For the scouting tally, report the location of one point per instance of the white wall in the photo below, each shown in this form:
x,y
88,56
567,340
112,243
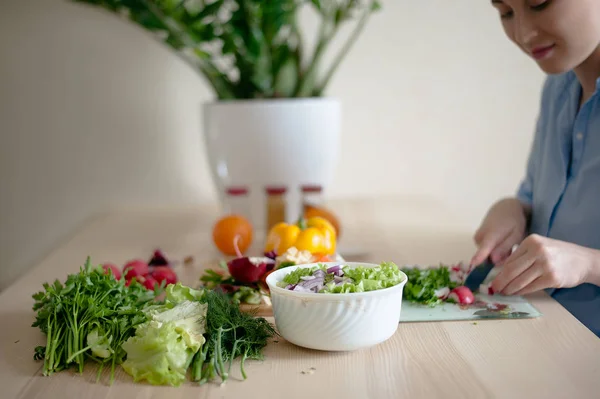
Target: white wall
x,y
437,103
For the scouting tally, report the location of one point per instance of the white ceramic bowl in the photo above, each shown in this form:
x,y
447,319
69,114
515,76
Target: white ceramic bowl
x,y
335,322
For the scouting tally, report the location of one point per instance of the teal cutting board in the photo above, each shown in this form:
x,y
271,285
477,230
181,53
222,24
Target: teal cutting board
x,y
485,307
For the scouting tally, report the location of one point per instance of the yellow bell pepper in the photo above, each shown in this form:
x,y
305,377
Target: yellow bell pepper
x,y
315,234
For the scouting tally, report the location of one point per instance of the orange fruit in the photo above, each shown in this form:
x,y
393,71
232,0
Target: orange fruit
x,y
232,230
312,211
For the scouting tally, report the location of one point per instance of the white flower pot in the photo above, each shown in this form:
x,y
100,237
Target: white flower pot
x,y
288,142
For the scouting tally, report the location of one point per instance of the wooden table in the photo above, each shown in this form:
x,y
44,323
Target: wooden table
x,y
550,357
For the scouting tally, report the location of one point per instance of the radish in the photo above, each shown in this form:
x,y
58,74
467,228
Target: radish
x,y
442,293
135,268
150,282
158,259
163,273
113,268
462,295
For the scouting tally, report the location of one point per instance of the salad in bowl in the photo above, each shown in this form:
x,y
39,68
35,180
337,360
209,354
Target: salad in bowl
x,y
335,306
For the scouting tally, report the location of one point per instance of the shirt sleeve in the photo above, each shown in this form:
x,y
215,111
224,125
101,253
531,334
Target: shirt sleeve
x,y
525,190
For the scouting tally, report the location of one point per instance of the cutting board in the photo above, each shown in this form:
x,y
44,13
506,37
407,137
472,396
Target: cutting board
x,y
484,307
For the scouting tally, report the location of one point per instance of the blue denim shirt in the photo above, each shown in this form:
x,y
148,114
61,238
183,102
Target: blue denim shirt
x,y
562,181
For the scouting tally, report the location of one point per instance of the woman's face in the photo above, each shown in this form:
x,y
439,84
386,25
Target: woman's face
x,y
558,34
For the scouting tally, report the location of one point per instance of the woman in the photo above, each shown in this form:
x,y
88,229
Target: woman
x,y
555,217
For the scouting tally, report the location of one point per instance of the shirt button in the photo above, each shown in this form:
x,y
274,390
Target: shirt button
x,y
579,136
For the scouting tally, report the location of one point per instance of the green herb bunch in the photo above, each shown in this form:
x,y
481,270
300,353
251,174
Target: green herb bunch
x,y
88,318
231,334
250,48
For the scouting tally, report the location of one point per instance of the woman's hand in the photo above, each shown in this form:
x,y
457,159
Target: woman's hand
x,y
542,262
502,228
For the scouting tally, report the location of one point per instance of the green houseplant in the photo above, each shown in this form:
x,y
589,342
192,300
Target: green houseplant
x,y
250,48
270,122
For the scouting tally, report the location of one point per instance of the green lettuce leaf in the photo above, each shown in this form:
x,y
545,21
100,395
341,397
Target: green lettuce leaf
x,y
189,319
158,354
163,347
386,275
294,276
177,293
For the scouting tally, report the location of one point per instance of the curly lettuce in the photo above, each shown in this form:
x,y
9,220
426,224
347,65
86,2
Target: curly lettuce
x,y
363,279
163,347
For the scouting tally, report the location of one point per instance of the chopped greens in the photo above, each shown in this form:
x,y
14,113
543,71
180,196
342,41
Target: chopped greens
x,y
295,276
423,283
342,279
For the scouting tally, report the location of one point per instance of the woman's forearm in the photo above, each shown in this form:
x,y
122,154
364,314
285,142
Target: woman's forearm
x,y
527,209
593,275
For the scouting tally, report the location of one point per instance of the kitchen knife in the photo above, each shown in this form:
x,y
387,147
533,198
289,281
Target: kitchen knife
x,y
478,275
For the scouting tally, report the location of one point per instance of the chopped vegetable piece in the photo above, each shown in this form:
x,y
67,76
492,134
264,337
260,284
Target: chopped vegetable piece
x,y
486,289
424,285
442,293
461,295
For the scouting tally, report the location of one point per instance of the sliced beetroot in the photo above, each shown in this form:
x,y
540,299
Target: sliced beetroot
x,y
271,255
462,295
113,268
135,268
164,273
249,270
158,259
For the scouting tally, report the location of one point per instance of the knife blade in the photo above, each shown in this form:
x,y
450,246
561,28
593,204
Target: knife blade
x,y
478,275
